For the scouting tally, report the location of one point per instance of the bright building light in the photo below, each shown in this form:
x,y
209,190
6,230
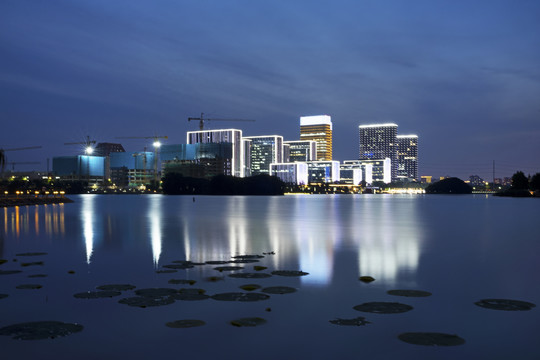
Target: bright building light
x,y
89,150
157,144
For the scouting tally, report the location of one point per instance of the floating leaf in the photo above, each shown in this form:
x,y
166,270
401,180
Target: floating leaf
x,y
97,294
289,273
32,254
244,261
505,304
250,287
182,281
366,279
71,272
259,268
146,301
217,262
246,257
116,287
165,271
3,296
40,330
269,253
359,321
240,296
250,275
29,286
156,292
215,278
38,276
178,324
190,294
278,290
251,321
228,268
383,307
178,266
41,263
3,261
409,293
431,339
9,272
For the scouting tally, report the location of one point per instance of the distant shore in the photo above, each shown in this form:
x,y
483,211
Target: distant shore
x,y
32,200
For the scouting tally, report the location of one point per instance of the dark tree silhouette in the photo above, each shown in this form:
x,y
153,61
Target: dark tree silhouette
x,y
520,181
535,182
449,186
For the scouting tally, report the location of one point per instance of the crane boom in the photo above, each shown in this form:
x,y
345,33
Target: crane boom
x,y
202,119
24,148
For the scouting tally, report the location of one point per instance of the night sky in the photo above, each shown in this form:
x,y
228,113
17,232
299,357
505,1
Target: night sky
x,y
463,75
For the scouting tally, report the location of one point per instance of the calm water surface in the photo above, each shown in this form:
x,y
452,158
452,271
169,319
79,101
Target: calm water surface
x,y
460,248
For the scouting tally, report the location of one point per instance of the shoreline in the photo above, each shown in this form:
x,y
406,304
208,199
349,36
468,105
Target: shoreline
x,y
24,201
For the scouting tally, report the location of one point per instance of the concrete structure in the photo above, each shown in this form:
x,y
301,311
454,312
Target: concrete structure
x,y
350,176
374,170
323,171
302,150
201,160
230,136
319,129
378,142
407,157
131,169
265,150
291,173
286,153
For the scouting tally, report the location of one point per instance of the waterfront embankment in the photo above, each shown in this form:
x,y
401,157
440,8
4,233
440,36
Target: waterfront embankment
x,y
23,200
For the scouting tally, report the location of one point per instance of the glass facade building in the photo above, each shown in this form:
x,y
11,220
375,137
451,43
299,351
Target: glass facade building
x,y
373,170
291,173
302,150
265,150
323,171
319,129
407,157
378,142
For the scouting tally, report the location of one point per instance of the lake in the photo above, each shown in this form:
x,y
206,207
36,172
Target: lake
x,y
461,249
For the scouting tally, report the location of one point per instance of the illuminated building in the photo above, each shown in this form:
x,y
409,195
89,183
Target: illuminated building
x,y
80,167
131,168
323,171
286,153
265,150
426,179
378,142
201,160
319,129
407,157
379,169
231,136
290,173
350,175
302,150
246,159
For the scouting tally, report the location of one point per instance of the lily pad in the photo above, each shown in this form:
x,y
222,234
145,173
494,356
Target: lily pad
x,y
156,292
278,290
250,287
240,296
97,294
190,294
217,262
250,321
29,286
3,296
359,321
244,261
431,339
182,281
505,304
215,278
3,261
228,268
179,266
40,330
259,268
116,287
383,307
366,279
409,293
289,273
31,254
246,257
35,263
38,276
145,301
165,271
179,324
250,275
9,272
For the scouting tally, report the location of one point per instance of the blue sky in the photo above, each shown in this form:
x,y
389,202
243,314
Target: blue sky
x,y
463,75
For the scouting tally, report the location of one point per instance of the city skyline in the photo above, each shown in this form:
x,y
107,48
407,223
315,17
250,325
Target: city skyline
x,y
453,73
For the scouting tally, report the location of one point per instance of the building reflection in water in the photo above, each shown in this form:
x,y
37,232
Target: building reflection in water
x,y
88,223
29,220
155,222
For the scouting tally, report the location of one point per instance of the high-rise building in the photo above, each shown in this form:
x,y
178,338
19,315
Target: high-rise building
x,y
302,150
407,157
265,150
232,136
319,129
378,142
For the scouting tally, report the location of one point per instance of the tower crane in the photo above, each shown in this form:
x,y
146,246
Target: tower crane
x,y
3,157
156,144
13,163
202,119
88,145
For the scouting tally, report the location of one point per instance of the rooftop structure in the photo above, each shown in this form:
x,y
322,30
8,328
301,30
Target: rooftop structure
x,y
319,129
